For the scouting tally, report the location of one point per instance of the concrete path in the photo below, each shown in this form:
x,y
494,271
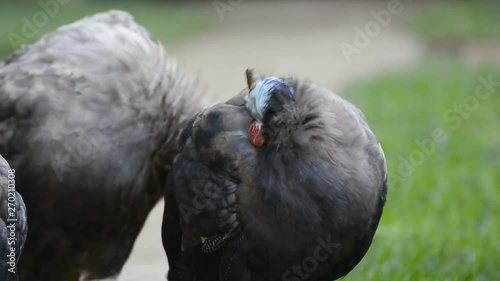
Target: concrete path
x,y
280,38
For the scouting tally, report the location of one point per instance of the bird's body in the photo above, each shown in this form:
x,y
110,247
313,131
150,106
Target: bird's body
x,y
13,223
308,201
90,117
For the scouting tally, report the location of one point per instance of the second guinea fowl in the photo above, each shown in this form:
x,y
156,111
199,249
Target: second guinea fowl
x,y
301,203
90,117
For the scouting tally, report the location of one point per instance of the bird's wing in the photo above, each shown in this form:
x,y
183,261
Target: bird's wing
x,y
207,174
207,204
200,205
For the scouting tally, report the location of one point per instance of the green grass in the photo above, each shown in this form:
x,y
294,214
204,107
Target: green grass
x,y
441,222
458,20
167,22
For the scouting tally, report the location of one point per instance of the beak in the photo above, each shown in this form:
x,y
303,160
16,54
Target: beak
x,y
250,79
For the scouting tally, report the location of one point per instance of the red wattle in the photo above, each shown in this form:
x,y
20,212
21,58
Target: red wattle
x,y
256,136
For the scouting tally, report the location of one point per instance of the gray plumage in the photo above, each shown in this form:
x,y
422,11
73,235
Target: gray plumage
x,y
13,223
319,180
90,116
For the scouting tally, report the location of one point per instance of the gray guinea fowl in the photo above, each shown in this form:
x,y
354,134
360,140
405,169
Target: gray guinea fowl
x,y
286,181
90,117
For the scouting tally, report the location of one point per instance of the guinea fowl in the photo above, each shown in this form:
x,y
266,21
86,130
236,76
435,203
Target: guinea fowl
x,y
90,118
13,223
286,181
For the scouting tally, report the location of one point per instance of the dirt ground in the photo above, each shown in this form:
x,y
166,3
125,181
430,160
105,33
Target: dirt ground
x,y
280,38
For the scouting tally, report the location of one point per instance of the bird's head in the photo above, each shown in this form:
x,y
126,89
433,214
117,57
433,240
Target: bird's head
x,y
266,98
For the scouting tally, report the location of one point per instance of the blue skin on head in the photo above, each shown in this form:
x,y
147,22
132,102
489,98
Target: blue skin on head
x,y
257,100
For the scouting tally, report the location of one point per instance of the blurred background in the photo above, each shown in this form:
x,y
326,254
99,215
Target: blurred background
x,y
425,73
